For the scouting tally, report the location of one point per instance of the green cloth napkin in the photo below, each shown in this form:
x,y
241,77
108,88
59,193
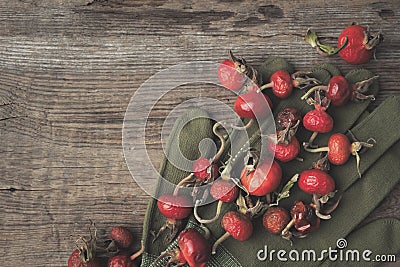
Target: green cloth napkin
x,y
380,173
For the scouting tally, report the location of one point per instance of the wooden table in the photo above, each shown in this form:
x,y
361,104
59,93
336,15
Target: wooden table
x,y
69,69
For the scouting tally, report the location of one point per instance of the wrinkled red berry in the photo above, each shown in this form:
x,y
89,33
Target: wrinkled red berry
x,y
263,180
225,191
237,225
275,219
316,182
229,77
339,90
122,236
174,207
203,169
75,260
194,247
283,152
282,83
317,120
360,47
253,105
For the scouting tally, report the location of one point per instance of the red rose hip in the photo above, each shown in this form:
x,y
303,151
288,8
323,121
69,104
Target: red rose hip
x,y
281,84
275,219
237,225
360,46
316,182
263,180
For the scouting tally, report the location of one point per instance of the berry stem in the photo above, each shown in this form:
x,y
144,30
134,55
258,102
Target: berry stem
x,y
325,50
315,88
285,231
317,207
205,221
182,182
316,150
302,80
310,141
138,253
223,143
266,86
219,241
247,126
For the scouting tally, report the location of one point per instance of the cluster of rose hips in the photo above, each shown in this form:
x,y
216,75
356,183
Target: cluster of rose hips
x,y
254,192
115,250
261,177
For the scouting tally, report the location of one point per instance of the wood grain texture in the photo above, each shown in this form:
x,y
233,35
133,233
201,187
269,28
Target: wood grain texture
x,y
69,68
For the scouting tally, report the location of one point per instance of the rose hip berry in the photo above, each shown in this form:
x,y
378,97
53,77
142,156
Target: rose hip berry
x,y
275,219
193,249
355,44
285,152
281,84
264,179
120,260
360,46
339,149
316,181
235,73
317,121
121,236
175,209
305,219
252,105
288,117
222,190
85,255
338,91
204,169
78,258
237,225
229,76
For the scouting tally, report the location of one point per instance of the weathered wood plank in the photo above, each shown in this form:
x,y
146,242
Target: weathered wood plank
x,y
69,68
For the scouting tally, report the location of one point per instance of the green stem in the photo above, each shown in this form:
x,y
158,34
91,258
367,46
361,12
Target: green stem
x,y
315,88
326,50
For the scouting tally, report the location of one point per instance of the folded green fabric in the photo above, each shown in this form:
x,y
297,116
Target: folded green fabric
x,y
185,137
367,191
381,237
357,202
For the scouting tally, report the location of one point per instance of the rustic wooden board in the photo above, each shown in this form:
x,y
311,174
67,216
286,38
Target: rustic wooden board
x,y
69,68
